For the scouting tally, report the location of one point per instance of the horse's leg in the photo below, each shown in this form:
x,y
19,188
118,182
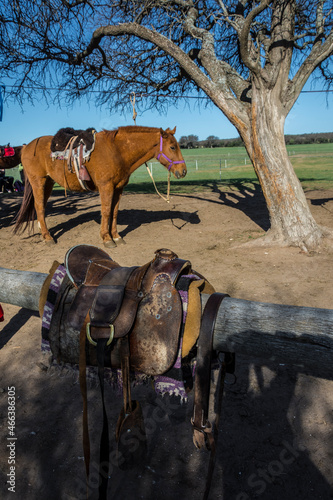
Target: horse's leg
x,y
42,191
115,207
106,194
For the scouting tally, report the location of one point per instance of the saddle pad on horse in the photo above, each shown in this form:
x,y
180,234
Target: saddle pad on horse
x,y
6,152
76,146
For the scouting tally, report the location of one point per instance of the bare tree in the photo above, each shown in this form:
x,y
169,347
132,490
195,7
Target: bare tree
x,y
251,58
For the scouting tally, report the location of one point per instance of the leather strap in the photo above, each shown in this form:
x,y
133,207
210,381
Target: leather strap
x,y
219,397
204,433
125,372
132,297
83,387
104,442
108,300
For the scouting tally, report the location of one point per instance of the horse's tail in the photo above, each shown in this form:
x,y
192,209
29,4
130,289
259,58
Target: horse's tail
x,y
27,212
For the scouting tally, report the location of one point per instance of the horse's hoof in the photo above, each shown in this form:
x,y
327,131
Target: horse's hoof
x,y
49,242
119,241
109,244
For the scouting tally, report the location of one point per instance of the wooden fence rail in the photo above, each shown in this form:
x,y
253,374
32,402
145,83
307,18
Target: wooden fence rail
x,y
299,336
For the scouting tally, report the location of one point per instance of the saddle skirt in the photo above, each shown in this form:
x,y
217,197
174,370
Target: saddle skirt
x,y
113,302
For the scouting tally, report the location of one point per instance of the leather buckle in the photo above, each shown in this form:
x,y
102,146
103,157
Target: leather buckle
x,y
95,343
203,427
202,436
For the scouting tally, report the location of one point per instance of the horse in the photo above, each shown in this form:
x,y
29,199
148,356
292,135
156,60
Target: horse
x,y
116,155
11,161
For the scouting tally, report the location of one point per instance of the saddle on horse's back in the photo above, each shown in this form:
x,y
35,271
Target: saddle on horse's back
x,y
62,138
129,318
76,146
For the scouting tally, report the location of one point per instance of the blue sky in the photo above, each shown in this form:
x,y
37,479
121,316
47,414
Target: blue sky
x,y
313,112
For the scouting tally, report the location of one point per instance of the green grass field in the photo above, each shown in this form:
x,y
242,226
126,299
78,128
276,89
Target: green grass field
x,y
313,164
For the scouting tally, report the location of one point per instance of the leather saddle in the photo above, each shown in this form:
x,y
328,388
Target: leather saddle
x,y
61,139
130,318
141,302
77,145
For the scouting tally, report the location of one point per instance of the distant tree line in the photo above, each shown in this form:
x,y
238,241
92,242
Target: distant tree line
x,y
192,141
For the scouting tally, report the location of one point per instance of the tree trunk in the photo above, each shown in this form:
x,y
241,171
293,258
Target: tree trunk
x,y
292,223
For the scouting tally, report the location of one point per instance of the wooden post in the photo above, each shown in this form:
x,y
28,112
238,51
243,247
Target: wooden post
x,y
301,336
21,288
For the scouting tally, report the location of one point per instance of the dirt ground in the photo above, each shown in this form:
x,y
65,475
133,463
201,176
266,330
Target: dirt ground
x,y
276,427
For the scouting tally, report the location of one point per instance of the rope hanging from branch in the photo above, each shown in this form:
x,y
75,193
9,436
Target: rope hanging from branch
x,y
135,114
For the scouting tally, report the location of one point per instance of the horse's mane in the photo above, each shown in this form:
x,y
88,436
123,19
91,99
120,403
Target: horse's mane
x,y
128,129
138,128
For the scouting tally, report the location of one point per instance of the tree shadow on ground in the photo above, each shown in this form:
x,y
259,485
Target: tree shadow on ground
x,y
321,202
72,206
9,206
259,454
244,196
15,323
58,205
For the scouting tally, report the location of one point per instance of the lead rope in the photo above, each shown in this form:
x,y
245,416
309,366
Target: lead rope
x,y
167,199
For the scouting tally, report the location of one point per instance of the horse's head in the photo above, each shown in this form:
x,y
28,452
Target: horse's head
x,y
169,153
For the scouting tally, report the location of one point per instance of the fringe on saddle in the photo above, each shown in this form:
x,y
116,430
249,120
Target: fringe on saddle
x,y
75,146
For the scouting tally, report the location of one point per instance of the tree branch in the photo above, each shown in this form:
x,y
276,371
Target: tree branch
x,y
318,54
244,42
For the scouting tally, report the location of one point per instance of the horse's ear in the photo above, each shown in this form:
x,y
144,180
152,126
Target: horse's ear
x,y
164,133
168,131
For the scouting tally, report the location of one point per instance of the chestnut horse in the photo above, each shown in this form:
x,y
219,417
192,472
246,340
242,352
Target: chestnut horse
x,y
11,161
116,155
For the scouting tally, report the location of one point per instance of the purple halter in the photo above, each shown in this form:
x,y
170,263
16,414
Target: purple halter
x,y
171,162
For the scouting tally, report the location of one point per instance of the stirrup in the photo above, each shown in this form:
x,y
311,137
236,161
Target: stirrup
x,y
95,343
